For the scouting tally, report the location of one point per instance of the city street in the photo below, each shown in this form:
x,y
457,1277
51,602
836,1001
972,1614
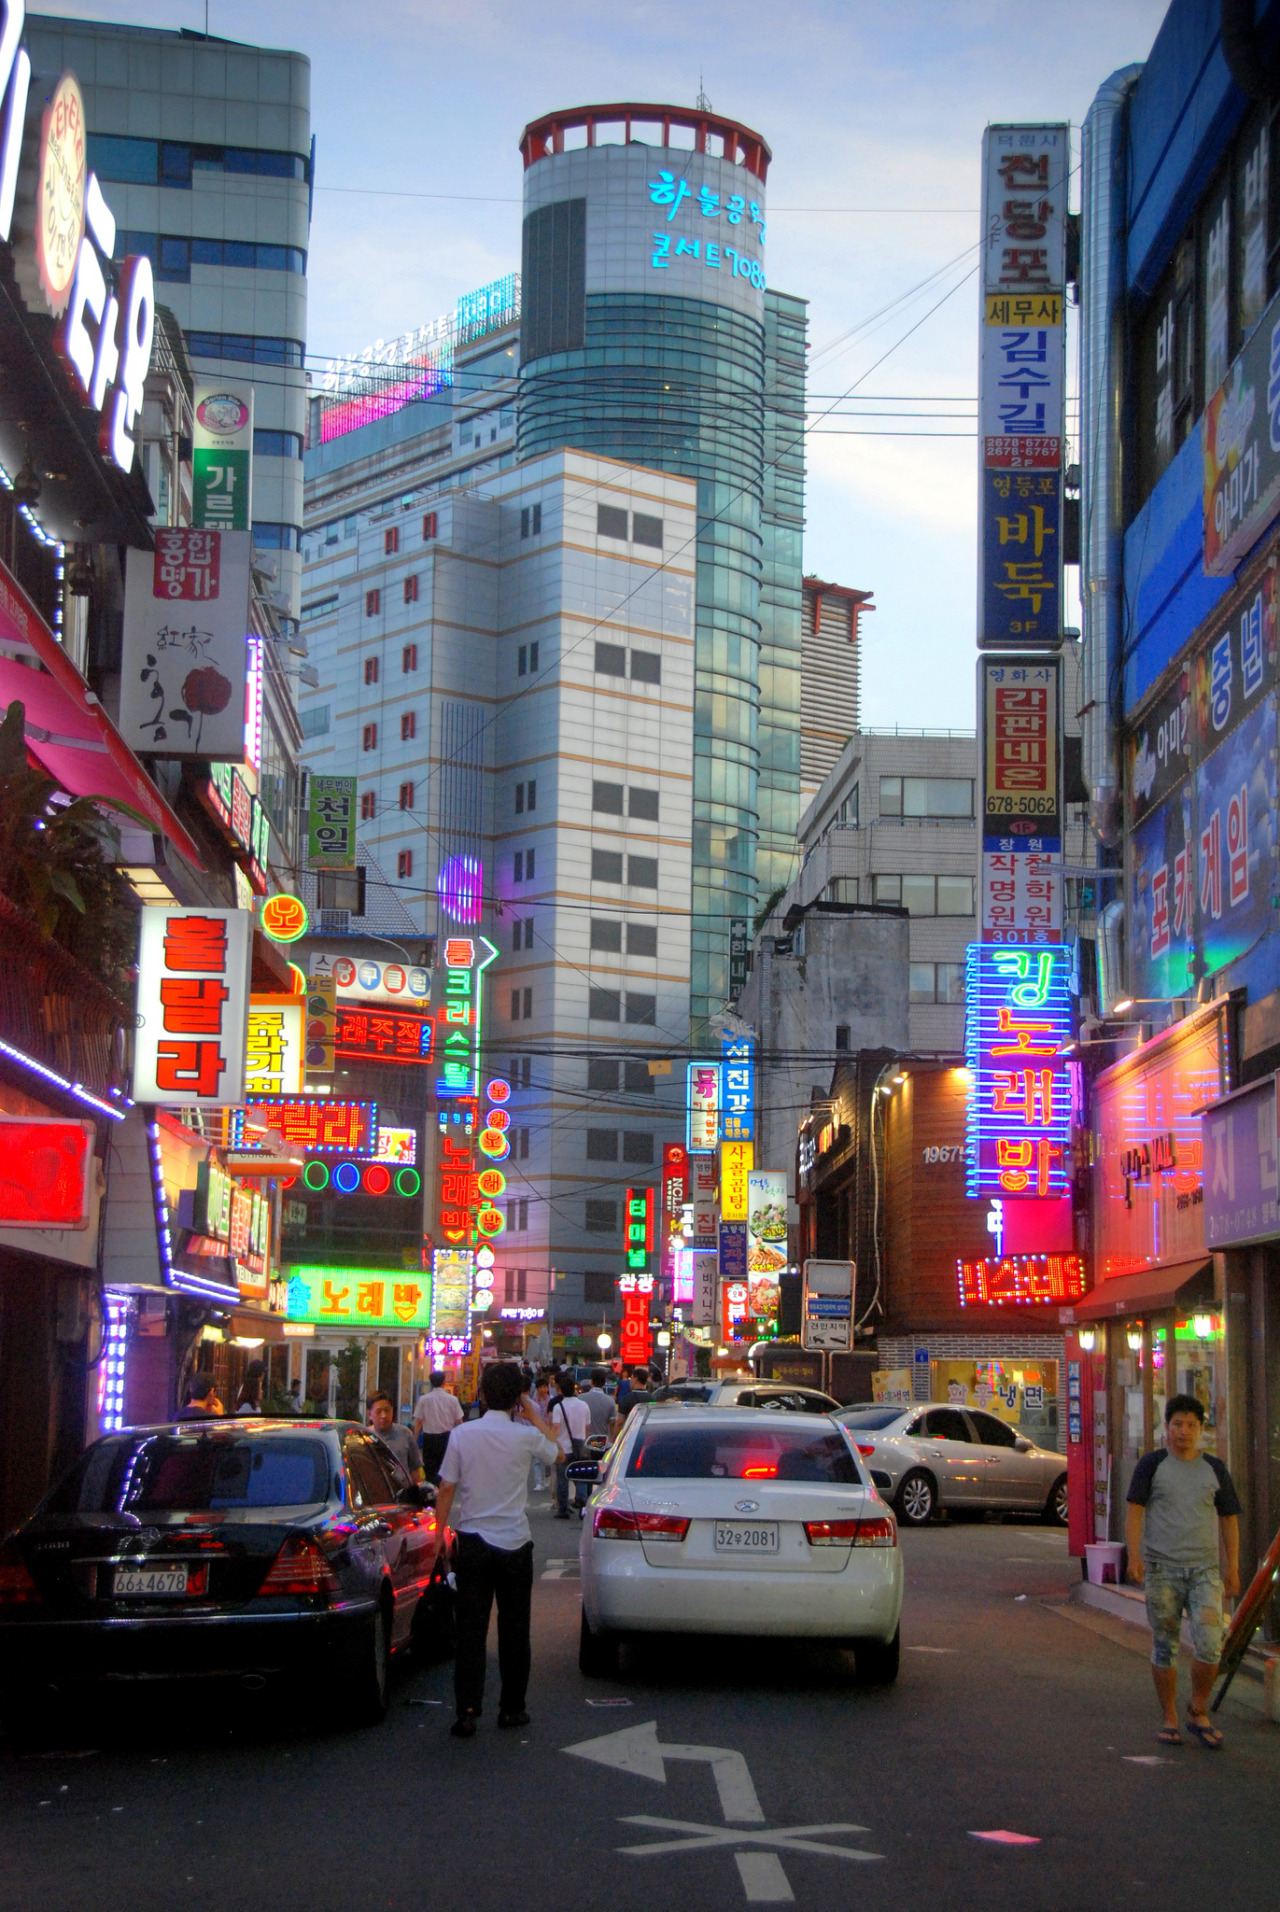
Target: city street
x,y
1008,1717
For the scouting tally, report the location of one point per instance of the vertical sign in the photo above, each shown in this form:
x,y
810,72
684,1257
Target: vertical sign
x,y
273,1046
459,1021
635,1340
184,684
736,1163
1021,385
322,1023
738,1088
639,1230
1017,1017
222,456
766,1222
193,1007
331,823
705,1177
675,1196
1019,706
703,1108
739,959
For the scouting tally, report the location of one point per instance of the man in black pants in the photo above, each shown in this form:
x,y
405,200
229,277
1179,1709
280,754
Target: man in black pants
x,y
484,1485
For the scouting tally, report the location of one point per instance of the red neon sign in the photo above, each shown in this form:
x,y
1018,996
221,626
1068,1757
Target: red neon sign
x,y
44,1173
1022,1281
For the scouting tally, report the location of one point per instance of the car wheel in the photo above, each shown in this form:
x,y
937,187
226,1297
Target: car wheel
x,y
1055,1508
434,1633
877,1660
597,1652
917,1498
368,1688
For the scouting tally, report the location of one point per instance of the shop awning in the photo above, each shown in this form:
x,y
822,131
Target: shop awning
x,y
67,728
1183,1283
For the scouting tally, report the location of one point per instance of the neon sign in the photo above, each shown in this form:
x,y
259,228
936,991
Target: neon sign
x,y
703,1106
1017,1018
639,1229
1022,1281
320,1125
737,1114
383,1035
460,887
466,1212
358,1297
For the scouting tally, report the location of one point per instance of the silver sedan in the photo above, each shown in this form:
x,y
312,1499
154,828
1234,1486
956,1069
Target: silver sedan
x,y
929,1456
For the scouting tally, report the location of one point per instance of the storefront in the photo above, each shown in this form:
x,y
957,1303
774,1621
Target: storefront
x,y
1158,1321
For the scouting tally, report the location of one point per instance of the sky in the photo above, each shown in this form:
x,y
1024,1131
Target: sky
x,y
874,114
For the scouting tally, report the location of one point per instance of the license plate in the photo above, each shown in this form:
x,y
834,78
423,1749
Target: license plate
x,y
149,1583
745,1536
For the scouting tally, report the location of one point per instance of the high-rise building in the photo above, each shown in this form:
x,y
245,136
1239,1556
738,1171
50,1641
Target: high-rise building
x,y
204,148
649,335
830,678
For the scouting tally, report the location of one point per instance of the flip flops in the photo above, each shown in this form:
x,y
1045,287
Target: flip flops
x,y
1209,1736
1169,1736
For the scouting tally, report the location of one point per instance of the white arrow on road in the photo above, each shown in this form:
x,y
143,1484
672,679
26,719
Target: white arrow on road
x,y
637,1750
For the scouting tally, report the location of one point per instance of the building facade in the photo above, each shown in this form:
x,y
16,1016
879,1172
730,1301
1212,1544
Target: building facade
x,y
830,679
204,147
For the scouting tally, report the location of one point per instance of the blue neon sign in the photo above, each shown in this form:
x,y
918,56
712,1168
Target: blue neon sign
x,y
1017,1018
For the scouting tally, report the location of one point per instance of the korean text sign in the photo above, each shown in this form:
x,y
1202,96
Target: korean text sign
x,y
1017,1017
738,1088
359,1298
639,1230
222,456
1241,439
1018,700
703,1108
319,1125
331,823
273,1046
184,688
193,1007
736,1162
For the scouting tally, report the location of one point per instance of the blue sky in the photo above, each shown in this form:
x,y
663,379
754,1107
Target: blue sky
x,y
874,114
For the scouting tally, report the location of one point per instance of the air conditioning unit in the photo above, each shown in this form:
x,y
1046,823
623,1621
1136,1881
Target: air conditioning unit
x,y
336,922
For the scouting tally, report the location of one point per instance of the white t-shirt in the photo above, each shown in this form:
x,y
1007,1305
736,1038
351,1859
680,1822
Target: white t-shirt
x,y
571,1419
437,1412
488,1460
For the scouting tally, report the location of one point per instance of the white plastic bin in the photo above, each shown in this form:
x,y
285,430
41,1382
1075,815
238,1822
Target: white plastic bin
x,y
1102,1562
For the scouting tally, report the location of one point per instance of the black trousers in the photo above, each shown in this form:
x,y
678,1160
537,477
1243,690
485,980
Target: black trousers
x,y
483,1573
433,1446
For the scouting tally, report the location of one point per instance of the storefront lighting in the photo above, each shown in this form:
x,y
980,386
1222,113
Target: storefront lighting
x,y
1119,1008
898,1079
1087,1338
247,1340
71,1088
115,1329
1134,1338
664,1338
1203,1325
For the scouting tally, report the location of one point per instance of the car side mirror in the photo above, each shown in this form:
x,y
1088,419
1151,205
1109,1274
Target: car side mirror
x,y
583,1470
1023,1445
417,1494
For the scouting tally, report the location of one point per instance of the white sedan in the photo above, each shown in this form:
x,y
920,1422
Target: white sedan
x,y
743,1521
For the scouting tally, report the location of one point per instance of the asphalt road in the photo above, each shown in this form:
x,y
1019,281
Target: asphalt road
x,y
1008,1716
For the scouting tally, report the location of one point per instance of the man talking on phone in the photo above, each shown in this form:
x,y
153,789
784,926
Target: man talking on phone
x,y
483,1495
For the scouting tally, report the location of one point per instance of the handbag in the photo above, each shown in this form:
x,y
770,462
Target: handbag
x,y
575,1446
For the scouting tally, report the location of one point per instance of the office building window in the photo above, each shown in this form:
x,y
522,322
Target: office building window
x,y
927,895
637,1147
636,1079
604,1005
404,864
842,889
370,670
642,872
391,540
409,659
272,444
368,806
523,865
527,660
602,1074
602,1145
314,719
646,667
526,1000
519,799
372,603
606,934
598,1289
245,348
642,939
406,796
646,530
601,1218
611,660
517,1223
519,1144
369,737
643,804
606,866
611,522
520,1073
514,1282
151,162
842,1036
429,524
641,1008
530,521
411,588
553,264
408,726
925,797
607,797
937,982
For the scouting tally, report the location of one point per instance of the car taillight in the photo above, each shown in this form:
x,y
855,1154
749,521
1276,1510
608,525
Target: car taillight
x,y
300,1567
613,1523
17,1588
851,1533
865,1448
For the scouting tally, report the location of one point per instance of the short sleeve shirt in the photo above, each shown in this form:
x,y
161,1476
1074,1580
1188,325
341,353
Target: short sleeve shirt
x,y
1184,1500
488,1462
402,1444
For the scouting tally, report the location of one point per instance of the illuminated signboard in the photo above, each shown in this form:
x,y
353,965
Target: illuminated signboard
x,y
284,918
383,1035
318,1125
228,798
737,1064
404,985
1022,1281
635,1343
360,1178
703,1108
639,1230
466,1212
322,1024
737,1159
193,1003
45,1168
1017,1017
460,1015
273,1046
452,1271
331,823
398,1145
358,1297
675,1195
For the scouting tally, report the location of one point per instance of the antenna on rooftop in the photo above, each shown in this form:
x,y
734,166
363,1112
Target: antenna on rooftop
x,y
703,103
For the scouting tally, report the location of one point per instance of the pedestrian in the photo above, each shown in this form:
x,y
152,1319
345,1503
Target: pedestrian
x,y
249,1399
395,1435
641,1390
434,1418
1183,1516
293,1398
483,1495
623,1391
202,1403
599,1404
570,1422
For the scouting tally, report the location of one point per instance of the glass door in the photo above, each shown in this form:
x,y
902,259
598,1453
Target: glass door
x,y
1129,1413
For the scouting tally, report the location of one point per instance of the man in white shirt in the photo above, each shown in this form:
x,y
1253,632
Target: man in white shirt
x,y
434,1418
570,1423
483,1495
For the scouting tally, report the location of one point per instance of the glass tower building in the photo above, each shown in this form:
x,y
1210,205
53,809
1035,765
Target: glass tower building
x,y
649,336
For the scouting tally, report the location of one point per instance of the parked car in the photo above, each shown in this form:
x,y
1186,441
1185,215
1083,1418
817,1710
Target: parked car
x,y
742,1521
242,1550
926,1457
747,1393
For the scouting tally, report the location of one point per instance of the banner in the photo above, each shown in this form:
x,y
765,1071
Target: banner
x,y
331,823
184,682
766,1222
738,1088
703,1108
736,1162
222,456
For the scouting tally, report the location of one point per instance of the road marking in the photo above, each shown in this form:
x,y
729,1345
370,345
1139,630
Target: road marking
x,y
1006,1838
933,1649
561,1570
637,1750
1145,1759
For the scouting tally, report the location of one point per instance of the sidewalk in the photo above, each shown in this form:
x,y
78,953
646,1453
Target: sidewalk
x,y
1127,1605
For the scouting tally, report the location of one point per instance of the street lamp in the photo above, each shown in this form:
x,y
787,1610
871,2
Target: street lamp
x,y
604,1342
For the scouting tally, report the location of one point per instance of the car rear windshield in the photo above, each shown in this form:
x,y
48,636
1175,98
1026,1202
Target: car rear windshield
x,y
872,1417
692,1395
194,1473
747,1453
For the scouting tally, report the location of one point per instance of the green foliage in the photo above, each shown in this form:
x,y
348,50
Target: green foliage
x,y
767,908
57,863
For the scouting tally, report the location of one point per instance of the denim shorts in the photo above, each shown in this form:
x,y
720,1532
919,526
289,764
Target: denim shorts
x,y
1173,1591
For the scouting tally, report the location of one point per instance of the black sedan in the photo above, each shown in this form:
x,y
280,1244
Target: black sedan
x,y
245,1551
